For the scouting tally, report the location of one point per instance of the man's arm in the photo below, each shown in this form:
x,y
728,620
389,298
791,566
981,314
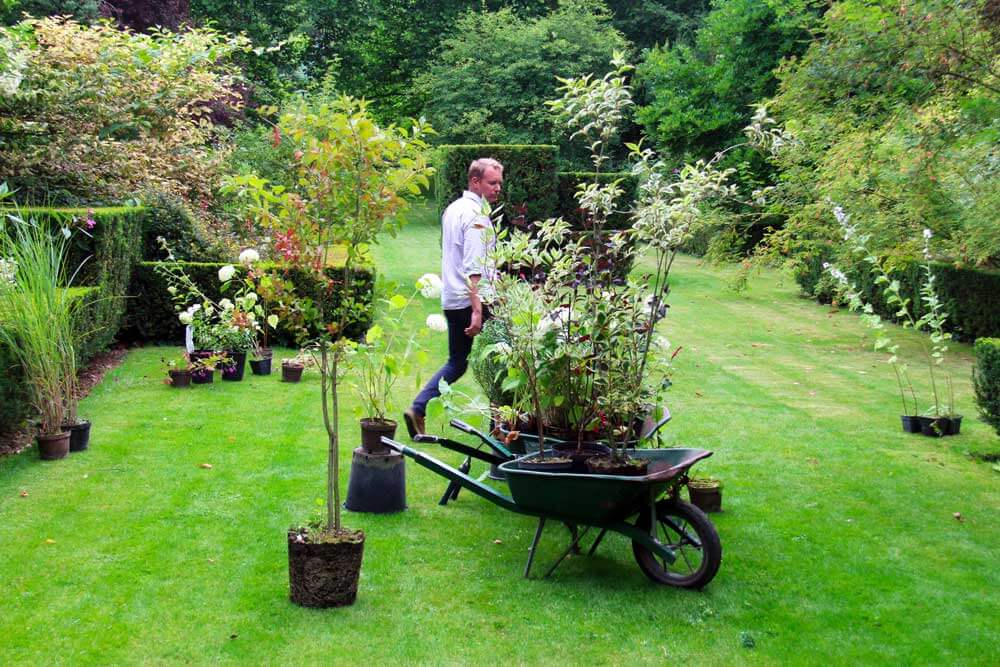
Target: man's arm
x,y
476,325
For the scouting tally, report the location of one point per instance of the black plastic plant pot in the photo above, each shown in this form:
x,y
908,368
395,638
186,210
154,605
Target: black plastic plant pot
x,y
79,436
935,427
180,378
261,366
955,425
911,423
234,367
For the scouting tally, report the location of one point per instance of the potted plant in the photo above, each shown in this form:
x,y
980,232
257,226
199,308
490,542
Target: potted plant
x,y
350,178
940,419
179,370
705,493
386,354
37,326
293,367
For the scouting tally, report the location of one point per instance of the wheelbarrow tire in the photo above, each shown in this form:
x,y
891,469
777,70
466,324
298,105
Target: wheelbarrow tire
x,y
696,564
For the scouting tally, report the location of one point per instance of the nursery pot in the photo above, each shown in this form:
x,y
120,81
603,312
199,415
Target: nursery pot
x,y
79,436
52,447
935,427
202,375
324,574
236,365
372,431
955,425
548,464
291,372
706,495
180,379
911,423
261,366
587,450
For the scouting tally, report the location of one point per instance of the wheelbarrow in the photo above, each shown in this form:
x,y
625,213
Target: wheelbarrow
x,y
673,542
501,452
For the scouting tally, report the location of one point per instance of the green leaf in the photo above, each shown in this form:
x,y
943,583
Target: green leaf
x,y
397,302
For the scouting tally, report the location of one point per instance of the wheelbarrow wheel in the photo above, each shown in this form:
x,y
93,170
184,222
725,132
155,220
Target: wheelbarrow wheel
x,y
685,529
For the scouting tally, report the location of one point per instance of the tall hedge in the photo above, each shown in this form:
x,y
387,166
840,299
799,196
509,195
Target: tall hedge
x,y
152,317
569,207
969,295
529,174
986,380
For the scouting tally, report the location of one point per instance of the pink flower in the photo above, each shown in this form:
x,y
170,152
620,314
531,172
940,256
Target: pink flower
x,y
91,223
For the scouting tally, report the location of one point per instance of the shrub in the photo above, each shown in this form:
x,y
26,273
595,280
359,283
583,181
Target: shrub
x,y
529,173
986,380
93,113
170,217
152,316
569,208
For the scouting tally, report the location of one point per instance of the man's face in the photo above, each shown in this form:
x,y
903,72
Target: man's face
x,y
489,185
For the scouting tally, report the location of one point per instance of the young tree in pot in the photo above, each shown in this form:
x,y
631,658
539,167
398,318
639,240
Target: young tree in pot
x,y
36,323
351,180
388,352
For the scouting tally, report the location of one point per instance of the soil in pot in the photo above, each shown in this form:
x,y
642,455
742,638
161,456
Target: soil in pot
x,y
548,464
79,435
911,423
706,494
234,367
606,465
180,379
372,431
53,447
261,366
580,455
324,573
291,372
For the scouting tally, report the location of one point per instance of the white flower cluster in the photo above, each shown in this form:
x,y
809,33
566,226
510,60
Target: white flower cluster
x,y
437,322
249,256
187,316
227,272
8,270
835,272
430,285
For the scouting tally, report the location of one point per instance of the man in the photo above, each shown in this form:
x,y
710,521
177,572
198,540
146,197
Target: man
x,y
467,235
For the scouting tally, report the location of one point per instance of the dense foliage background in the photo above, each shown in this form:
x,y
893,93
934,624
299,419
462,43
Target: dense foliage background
x,y
891,107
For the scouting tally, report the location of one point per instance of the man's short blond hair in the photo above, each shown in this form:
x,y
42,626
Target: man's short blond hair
x,y
479,167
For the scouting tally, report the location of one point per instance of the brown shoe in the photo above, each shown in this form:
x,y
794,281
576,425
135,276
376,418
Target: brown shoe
x,y
414,423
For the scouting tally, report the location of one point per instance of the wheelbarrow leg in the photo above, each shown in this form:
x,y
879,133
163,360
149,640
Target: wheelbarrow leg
x,y
451,493
572,547
534,545
597,542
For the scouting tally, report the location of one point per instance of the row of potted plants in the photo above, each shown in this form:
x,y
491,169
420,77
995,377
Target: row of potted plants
x,y
199,367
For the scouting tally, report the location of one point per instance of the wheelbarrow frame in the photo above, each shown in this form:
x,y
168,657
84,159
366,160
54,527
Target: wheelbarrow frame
x,y
550,495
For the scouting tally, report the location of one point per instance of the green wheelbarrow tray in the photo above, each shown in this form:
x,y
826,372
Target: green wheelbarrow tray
x,y
663,529
598,499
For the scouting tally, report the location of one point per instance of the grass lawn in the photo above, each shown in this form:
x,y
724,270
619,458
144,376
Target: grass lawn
x,y
839,535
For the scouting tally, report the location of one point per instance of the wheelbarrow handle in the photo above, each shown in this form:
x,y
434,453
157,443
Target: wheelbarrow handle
x,y
664,418
498,448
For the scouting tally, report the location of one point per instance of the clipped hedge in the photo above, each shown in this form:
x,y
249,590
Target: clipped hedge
x,y
986,380
529,174
569,207
969,295
152,317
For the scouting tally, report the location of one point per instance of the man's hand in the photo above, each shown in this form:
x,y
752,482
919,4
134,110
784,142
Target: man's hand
x,y
475,326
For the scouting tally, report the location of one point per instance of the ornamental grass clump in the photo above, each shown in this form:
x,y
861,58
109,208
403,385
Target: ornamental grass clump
x,y
36,318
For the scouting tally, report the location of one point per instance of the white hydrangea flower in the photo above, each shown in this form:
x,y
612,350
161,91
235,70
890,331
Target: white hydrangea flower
x,y
430,285
249,256
186,317
227,272
226,304
437,322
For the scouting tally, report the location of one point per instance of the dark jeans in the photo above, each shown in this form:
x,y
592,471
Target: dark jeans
x,y
459,346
